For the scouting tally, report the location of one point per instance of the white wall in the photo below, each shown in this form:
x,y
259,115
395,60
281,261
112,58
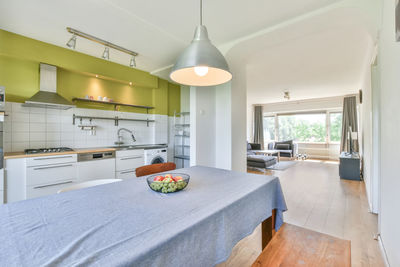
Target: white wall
x,y
27,127
389,55
202,130
223,149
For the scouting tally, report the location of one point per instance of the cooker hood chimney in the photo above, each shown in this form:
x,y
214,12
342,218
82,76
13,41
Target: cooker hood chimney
x,y
47,96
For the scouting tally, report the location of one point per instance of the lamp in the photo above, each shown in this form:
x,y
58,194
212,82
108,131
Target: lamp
x,y
201,63
106,53
132,63
72,42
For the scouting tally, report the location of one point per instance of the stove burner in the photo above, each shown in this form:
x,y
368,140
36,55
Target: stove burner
x,y
48,150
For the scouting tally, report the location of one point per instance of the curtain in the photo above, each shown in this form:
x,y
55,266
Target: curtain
x,y
349,119
258,126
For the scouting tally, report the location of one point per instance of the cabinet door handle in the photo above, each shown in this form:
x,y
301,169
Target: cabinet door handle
x,y
53,158
52,167
136,157
43,186
124,172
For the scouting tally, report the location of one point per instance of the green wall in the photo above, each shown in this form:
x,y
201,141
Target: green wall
x,y
19,73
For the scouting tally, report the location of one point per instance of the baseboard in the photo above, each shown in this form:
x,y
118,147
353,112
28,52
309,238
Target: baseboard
x,y
383,251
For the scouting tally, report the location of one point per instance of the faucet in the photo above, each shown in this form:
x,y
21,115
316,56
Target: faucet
x,y
119,142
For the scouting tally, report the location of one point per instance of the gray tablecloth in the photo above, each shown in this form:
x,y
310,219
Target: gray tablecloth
x,y
127,224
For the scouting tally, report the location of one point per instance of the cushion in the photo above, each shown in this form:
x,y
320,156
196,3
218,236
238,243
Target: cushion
x,y
282,146
260,161
285,151
248,146
260,158
290,142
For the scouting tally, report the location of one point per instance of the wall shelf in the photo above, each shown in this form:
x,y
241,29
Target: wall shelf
x,y
115,104
115,119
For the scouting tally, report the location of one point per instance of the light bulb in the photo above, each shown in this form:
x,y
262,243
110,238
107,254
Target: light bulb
x,y
201,71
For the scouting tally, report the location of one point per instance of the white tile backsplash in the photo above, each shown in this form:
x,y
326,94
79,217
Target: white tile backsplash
x,y
40,127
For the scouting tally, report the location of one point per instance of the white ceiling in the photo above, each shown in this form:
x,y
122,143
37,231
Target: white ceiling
x,y
157,30
323,56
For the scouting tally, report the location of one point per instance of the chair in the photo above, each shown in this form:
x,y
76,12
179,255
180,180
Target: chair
x,y
88,184
155,168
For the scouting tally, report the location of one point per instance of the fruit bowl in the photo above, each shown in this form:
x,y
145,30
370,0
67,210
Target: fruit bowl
x,y
168,183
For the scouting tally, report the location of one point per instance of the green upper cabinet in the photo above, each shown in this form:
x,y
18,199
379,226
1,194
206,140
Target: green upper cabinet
x,y
19,73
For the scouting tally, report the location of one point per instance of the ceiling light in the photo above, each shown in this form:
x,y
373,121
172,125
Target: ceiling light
x,y
286,95
132,63
130,83
201,63
106,53
72,42
97,76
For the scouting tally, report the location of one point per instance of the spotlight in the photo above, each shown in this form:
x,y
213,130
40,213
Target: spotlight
x,y
106,53
132,63
72,42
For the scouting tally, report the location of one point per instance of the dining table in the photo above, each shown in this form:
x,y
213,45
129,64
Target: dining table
x,y
127,224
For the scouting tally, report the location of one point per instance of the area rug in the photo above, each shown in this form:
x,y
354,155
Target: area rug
x,y
282,165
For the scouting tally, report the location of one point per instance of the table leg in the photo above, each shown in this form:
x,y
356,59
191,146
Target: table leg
x,y
279,156
268,229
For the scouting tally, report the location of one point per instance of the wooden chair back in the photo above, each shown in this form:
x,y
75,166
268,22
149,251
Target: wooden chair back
x,y
155,168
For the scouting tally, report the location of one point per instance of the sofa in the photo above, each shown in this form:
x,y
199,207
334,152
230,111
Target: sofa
x,y
286,148
258,161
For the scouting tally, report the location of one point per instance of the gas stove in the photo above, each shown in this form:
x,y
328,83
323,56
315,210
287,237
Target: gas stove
x,y
48,150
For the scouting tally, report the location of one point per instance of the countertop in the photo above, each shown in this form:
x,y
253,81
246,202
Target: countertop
x,y
16,155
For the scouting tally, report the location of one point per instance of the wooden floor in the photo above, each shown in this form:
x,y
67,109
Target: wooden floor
x,y
318,200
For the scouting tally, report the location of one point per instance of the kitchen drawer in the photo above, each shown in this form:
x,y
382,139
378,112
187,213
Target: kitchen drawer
x,y
127,153
129,162
127,174
40,175
47,189
96,169
47,160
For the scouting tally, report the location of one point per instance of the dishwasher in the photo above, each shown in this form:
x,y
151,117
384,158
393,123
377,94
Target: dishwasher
x,y
96,165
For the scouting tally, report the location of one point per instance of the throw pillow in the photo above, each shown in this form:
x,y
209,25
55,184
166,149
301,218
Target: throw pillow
x,y
248,146
283,146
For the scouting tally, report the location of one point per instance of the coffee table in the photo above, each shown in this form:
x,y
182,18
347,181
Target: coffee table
x,y
269,152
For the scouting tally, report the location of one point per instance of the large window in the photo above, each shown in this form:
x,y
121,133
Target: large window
x,y
335,120
304,127
269,128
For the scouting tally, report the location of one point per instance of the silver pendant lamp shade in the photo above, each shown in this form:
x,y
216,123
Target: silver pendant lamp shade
x,y
201,63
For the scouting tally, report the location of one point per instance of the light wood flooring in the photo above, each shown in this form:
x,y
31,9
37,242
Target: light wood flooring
x,y
318,200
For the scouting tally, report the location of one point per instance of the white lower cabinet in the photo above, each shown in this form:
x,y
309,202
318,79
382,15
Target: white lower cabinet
x,y
39,176
96,169
47,189
127,161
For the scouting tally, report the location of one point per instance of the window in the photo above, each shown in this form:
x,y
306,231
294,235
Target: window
x,y
335,121
302,127
269,129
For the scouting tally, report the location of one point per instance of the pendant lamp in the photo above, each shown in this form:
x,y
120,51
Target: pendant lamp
x,y
201,63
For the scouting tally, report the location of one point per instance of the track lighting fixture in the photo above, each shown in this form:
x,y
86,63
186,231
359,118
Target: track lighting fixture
x,y
106,53
72,42
132,63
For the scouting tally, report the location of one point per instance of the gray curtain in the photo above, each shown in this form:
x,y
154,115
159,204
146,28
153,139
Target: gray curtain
x,y
258,126
349,119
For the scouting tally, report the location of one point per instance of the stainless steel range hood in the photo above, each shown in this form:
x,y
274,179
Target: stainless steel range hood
x,y
47,96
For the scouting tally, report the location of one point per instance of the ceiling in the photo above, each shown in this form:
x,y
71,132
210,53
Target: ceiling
x,y
157,30
323,56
